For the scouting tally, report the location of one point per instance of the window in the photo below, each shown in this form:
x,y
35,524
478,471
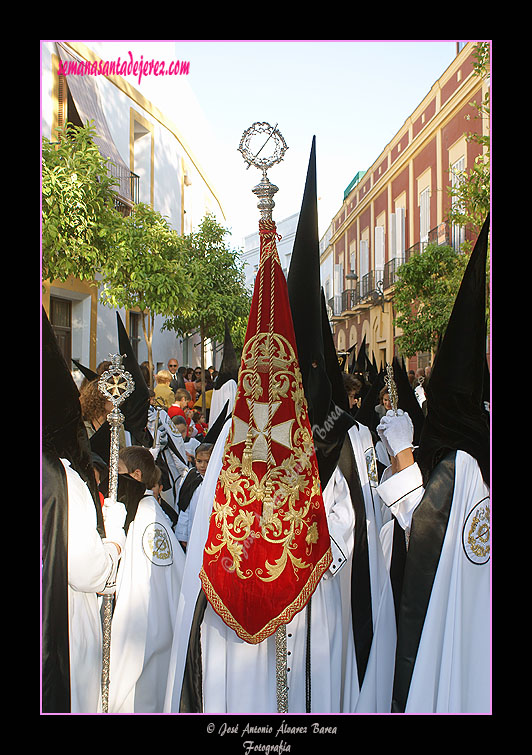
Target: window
x,y
457,177
142,152
61,322
424,215
338,279
364,267
398,242
379,253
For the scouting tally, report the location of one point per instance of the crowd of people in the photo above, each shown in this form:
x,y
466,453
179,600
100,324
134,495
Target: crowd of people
x,y
397,619
168,477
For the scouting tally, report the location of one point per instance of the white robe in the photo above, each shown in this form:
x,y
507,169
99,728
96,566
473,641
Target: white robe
x,y
148,587
219,399
191,584
186,518
231,667
375,696
177,469
452,668
90,564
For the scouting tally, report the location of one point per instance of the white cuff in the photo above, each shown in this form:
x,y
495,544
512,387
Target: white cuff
x,y
112,551
339,558
402,492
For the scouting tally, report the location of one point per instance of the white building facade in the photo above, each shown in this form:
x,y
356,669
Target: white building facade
x,y
82,82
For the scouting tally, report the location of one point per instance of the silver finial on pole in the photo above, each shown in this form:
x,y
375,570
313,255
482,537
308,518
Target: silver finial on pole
x,y
116,384
251,146
392,388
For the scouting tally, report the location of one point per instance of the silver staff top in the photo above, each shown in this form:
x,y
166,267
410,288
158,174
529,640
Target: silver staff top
x,y
116,384
392,388
252,147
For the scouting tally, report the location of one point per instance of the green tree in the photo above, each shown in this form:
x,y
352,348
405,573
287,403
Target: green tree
x,y
471,193
80,226
424,296
219,293
152,272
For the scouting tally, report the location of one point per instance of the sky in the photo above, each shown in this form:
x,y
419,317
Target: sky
x,y
353,95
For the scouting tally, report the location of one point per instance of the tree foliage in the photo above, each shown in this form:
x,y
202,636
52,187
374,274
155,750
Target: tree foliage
x,y
471,193
424,296
151,273
217,281
80,226
195,282
219,293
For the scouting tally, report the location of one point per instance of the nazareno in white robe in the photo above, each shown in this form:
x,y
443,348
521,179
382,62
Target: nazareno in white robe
x,y
231,668
142,630
239,677
91,565
178,468
219,398
375,695
452,668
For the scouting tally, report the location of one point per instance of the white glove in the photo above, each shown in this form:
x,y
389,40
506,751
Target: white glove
x,y
380,431
162,437
396,431
114,517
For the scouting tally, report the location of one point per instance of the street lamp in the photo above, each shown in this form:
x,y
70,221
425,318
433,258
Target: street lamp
x,y
377,295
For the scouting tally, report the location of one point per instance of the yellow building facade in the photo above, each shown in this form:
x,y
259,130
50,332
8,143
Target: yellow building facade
x,y
397,206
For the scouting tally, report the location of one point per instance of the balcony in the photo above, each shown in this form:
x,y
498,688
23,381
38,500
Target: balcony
x,y
127,189
334,306
372,285
362,291
390,272
442,234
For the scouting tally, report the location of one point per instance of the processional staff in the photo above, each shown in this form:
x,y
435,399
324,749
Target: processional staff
x,y
392,388
116,384
265,190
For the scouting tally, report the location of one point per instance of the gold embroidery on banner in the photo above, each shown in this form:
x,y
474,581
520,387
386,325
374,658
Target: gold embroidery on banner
x,y
278,490
284,617
312,534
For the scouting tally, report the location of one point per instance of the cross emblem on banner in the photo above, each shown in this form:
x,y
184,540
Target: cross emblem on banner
x,y
280,433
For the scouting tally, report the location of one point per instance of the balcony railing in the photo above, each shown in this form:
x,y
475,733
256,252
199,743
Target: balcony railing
x,y
376,282
390,272
335,306
442,234
127,188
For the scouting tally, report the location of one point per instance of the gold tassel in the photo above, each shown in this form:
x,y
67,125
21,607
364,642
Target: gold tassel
x,y
247,455
267,506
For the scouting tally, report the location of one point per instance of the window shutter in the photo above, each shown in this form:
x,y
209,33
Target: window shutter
x,y
364,258
62,97
400,240
424,215
379,252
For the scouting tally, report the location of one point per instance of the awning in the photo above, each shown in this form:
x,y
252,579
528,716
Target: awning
x,y
86,95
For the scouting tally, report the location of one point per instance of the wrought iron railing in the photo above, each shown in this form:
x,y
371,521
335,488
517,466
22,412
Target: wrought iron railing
x,y
127,188
380,280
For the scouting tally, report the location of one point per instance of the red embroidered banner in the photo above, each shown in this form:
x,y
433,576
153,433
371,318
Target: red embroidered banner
x,y
268,543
